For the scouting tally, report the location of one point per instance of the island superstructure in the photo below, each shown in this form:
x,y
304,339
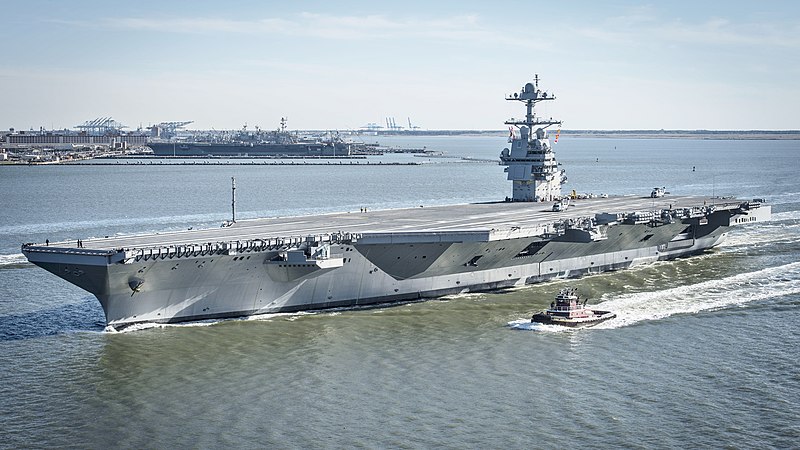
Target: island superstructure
x,y
339,260
532,165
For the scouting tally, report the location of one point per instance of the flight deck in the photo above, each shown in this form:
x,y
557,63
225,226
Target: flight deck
x,y
478,217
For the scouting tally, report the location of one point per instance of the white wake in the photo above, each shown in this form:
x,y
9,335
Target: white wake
x,y
733,291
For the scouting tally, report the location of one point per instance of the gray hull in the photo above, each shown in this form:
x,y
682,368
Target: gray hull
x,y
179,149
185,282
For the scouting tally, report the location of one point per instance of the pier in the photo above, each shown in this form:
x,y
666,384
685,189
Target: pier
x,y
237,163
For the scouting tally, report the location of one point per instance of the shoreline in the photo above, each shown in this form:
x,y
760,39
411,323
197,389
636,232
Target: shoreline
x,y
619,134
718,136
7,152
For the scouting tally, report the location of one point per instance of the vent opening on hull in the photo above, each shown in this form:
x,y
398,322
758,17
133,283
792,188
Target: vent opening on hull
x,y
473,262
531,249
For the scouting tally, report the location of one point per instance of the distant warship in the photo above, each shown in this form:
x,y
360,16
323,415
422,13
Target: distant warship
x,y
258,143
317,262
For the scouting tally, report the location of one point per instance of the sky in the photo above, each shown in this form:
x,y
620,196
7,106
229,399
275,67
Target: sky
x,y
613,65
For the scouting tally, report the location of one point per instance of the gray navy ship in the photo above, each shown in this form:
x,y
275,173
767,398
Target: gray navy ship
x,y
253,143
326,261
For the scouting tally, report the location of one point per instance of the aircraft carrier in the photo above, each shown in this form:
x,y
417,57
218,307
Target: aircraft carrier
x,y
258,143
351,259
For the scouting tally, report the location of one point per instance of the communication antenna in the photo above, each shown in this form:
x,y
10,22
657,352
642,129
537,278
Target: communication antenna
x,y
233,200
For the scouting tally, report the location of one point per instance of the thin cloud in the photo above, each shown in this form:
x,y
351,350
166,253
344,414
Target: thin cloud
x,y
201,25
337,27
637,29
720,31
462,28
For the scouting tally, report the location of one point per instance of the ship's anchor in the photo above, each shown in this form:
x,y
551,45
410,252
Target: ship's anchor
x,y
135,284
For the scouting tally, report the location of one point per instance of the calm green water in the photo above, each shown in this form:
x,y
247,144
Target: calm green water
x,y
703,353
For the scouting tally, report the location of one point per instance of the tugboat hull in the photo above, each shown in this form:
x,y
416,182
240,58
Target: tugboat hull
x,y
576,322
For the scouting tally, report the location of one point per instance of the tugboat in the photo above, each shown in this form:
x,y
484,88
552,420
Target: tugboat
x,y
568,311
